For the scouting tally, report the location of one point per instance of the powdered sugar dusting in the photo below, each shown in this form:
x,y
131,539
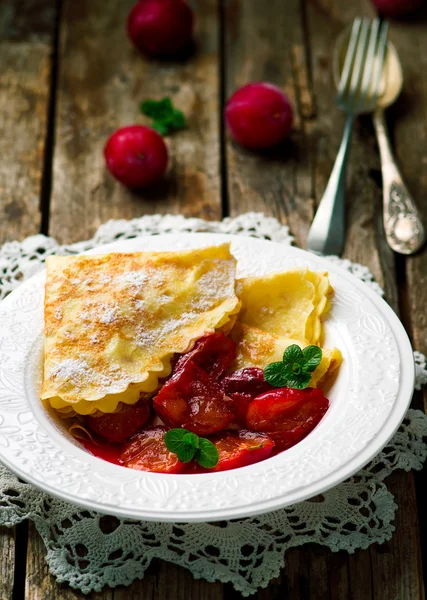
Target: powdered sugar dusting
x,y
133,278
79,374
102,313
108,314
70,369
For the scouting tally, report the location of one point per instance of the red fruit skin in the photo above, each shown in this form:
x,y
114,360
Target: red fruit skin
x,y
287,414
160,27
241,448
213,353
242,387
396,8
248,381
147,451
193,400
136,156
120,426
259,115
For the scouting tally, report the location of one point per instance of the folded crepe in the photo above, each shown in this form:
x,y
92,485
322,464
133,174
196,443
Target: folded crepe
x,y
279,310
289,304
113,322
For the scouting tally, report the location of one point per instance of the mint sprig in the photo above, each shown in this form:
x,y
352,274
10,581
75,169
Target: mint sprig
x,y
188,446
296,368
166,117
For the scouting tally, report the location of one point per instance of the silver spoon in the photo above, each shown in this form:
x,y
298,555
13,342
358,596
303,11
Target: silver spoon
x,y
402,222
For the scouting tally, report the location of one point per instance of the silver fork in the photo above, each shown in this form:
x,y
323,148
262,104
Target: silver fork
x,y
357,93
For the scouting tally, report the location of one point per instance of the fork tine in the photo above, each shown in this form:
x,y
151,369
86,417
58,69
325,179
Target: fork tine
x,y
348,62
379,64
359,62
369,62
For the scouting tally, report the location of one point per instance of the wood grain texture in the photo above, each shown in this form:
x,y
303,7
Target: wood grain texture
x,y
287,182
26,32
166,581
7,557
101,82
407,122
266,43
25,54
394,568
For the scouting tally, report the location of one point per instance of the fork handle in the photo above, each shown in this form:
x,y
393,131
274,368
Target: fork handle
x,y
402,222
326,233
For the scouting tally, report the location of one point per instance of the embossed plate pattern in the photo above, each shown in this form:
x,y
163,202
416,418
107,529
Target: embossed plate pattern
x,y
368,401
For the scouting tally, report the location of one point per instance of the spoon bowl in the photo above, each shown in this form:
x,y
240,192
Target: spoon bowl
x,y
392,76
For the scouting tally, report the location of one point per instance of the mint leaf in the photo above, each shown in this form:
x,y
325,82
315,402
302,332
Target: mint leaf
x,y
186,453
274,374
181,442
157,109
312,357
187,445
174,439
299,382
165,116
177,120
292,354
160,128
191,439
207,455
296,368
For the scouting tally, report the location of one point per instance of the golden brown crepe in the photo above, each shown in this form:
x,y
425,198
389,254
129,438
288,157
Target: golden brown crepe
x,y
113,322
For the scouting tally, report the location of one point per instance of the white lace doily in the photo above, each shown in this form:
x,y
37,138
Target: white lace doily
x,y
90,551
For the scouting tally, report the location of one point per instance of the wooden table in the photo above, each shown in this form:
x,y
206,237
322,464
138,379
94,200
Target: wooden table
x,y
69,78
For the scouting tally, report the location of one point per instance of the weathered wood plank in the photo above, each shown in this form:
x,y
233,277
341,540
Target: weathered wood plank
x,y
164,581
286,182
26,32
25,54
266,43
395,568
7,557
101,82
409,131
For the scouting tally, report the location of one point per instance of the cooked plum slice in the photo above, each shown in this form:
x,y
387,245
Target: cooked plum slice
x,y
120,426
213,353
287,414
147,451
193,400
241,448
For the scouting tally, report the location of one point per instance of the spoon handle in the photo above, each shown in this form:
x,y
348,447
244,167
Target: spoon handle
x,y
402,222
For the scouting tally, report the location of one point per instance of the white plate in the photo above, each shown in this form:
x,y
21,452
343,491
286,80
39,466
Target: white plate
x,y
368,401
